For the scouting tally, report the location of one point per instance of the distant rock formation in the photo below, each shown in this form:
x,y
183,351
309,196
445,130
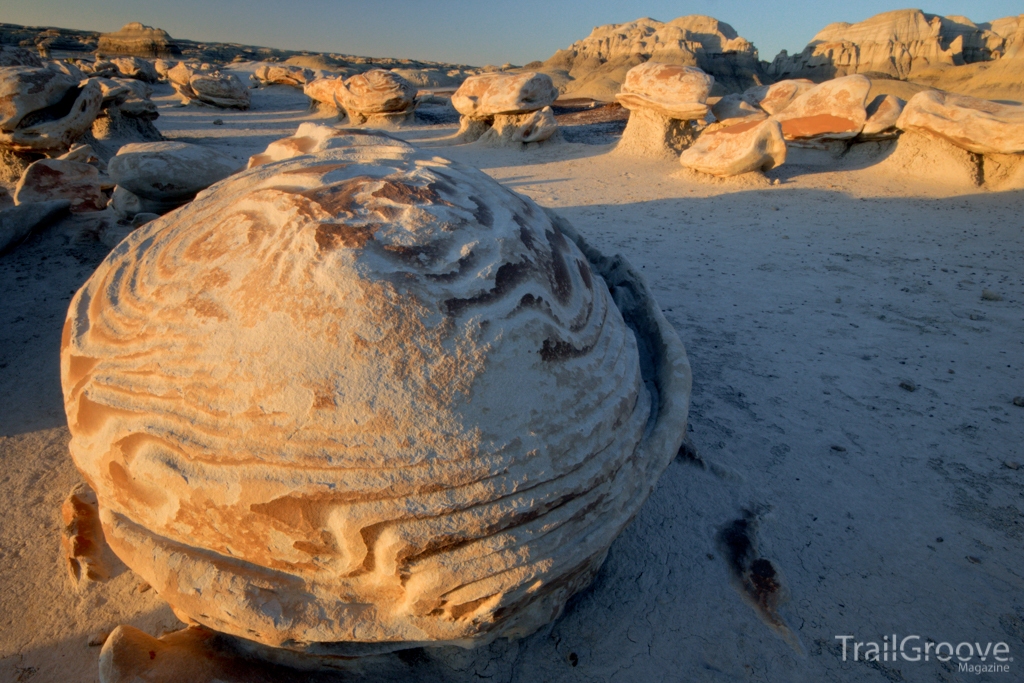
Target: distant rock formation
x,y
899,44
597,65
138,40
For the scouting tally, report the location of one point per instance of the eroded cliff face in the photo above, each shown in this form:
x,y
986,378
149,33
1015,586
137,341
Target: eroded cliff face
x,y
900,44
596,66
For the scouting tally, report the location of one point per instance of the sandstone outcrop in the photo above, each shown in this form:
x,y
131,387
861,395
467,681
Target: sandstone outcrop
x,y
82,537
777,96
138,40
75,181
894,43
127,114
979,126
165,174
833,110
379,98
283,74
43,110
503,108
882,112
134,67
597,65
325,94
741,148
368,399
664,100
196,84
489,94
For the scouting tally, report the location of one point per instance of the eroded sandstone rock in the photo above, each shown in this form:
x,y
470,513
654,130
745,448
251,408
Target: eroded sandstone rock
x,y
485,95
75,181
134,67
664,100
82,537
138,40
335,404
43,110
833,110
378,97
283,74
741,148
734,107
678,92
883,112
312,138
168,173
198,84
977,125
776,97
325,93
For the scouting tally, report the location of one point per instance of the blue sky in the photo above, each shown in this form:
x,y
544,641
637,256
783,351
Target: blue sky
x,y
471,32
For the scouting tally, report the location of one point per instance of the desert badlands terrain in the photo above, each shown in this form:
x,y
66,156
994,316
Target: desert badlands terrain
x,y
316,367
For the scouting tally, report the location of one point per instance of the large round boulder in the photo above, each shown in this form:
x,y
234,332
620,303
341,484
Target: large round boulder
x,y
367,399
168,172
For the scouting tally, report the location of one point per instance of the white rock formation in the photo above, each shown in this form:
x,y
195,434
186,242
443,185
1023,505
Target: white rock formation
x,y
312,138
663,100
502,107
325,94
368,399
168,174
741,148
883,112
208,87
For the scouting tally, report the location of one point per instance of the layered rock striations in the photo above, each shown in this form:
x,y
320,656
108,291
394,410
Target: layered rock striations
x,y
365,399
137,40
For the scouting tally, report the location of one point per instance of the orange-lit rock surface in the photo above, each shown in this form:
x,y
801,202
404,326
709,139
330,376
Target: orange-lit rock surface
x,y
977,125
367,398
43,110
740,148
678,92
833,110
49,179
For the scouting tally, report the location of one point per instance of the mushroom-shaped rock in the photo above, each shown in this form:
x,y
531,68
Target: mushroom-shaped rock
x,y
664,100
833,110
977,125
499,104
134,67
311,138
208,87
777,96
42,110
378,97
678,92
168,173
740,148
49,179
325,94
283,74
365,399
485,95
883,112
516,129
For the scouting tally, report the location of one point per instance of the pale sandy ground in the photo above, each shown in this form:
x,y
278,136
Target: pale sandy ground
x,y
802,305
